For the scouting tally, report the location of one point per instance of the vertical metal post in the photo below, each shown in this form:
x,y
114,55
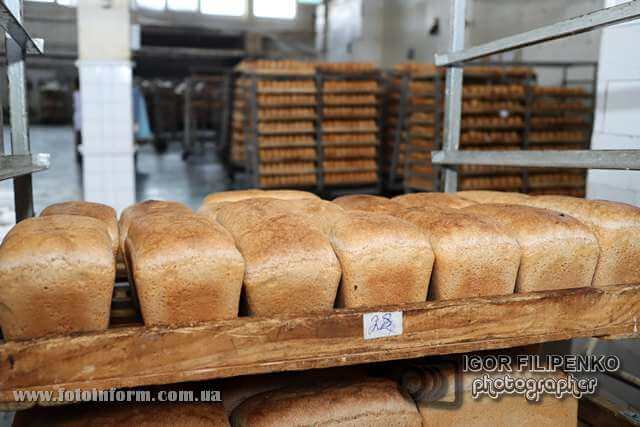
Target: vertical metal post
x,y
453,100
22,187
397,137
187,119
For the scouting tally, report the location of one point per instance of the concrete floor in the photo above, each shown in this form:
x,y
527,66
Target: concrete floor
x,y
159,176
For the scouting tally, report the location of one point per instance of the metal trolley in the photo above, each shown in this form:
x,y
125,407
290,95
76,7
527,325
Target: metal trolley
x,y
20,163
450,156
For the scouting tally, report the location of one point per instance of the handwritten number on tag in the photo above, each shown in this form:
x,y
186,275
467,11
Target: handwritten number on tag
x,y
382,324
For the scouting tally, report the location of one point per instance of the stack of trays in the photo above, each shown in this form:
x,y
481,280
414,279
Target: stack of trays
x,y
412,132
349,126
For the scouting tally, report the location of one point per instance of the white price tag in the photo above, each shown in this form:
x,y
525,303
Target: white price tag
x,y
382,324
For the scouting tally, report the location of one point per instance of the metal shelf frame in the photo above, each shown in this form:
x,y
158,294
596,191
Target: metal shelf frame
x,y
450,156
19,164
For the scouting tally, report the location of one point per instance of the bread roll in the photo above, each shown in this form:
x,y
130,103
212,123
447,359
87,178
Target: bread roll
x,y
473,256
366,202
617,228
479,196
368,402
186,269
146,414
290,264
385,260
141,210
56,277
239,195
439,200
558,251
101,212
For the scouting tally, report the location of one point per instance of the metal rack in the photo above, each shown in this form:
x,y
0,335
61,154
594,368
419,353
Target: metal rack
x,y
324,77
21,163
451,156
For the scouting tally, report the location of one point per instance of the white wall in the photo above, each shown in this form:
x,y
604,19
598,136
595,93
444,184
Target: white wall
x,y
617,123
392,27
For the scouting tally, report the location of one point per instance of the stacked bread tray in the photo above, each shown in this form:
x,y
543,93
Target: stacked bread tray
x,y
349,113
561,118
413,126
265,281
279,120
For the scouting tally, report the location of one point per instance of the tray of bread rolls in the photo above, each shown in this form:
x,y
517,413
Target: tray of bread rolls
x,y
280,118
261,281
414,95
350,134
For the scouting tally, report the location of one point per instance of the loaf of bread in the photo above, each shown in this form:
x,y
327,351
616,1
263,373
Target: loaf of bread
x,y
368,402
239,195
141,210
473,255
318,213
104,213
366,202
617,228
439,200
56,277
558,251
509,410
146,414
385,260
186,269
479,196
290,264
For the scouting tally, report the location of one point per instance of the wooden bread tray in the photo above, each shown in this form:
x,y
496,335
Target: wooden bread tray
x,y
139,356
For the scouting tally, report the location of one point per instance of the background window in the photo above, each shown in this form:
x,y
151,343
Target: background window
x,y
224,7
281,9
152,4
183,5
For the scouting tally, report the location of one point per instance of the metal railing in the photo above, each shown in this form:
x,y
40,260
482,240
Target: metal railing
x,y
450,155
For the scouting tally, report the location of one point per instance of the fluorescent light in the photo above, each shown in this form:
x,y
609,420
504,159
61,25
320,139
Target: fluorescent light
x,y
183,5
224,7
152,4
42,1
279,9
68,2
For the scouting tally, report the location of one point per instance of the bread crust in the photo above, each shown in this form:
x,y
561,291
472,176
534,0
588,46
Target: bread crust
x,y
56,277
368,402
163,414
141,210
385,260
186,269
254,193
438,200
617,228
366,202
493,196
473,256
290,264
104,213
558,251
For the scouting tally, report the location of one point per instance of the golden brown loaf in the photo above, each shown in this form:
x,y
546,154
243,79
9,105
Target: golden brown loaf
x,y
290,265
558,251
366,202
318,213
493,197
509,410
239,195
163,414
617,228
368,402
439,200
56,277
186,269
473,256
385,260
141,210
104,213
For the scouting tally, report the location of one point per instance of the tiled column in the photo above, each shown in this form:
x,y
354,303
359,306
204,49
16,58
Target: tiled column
x,y
106,102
